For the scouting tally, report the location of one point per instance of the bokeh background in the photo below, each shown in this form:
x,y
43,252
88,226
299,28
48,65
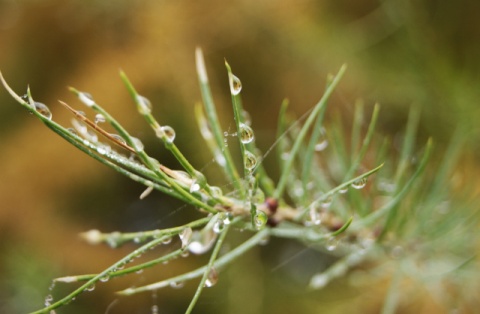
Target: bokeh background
x,y
400,53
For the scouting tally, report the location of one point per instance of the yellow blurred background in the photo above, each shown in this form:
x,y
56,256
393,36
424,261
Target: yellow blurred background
x,y
399,53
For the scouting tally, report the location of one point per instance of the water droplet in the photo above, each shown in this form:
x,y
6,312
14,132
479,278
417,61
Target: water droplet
x,y
144,106
235,84
319,281
138,272
186,236
118,138
260,219
90,288
137,144
167,241
105,278
86,98
359,184
103,149
202,241
327,202
322,141
343,191
331,244
147,192
185,254
216,191
99,118
250,161
226,218
72,130
212,278
194,187
43,110
177,284
154,309
218,226
48,300
114,239
246,134
166,132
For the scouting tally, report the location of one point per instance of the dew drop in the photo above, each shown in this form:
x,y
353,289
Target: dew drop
x,y
218,226
113,239
118,138
42,109
72,130
216,191
246,134
167,241
194,187
185,254
235,84
137,144
250,161
186,236
359,184
90,288
105,278
169,133
144,106
99,118
322,141
86,98
331,244
212,278
327,202
319,281
260,219
177,284
343,191
48,300
154,309
202,241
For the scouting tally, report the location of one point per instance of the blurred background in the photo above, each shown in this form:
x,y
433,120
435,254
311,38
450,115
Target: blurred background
x,y
399,53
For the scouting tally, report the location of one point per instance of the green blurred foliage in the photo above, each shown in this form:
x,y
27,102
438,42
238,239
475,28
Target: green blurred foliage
x,y
400,53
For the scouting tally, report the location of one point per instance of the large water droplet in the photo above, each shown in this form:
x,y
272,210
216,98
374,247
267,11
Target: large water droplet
x,y
250,161
212,278
359,184
144,106
86,98
43,110
186,236
99,118
246,134
260,219
202,241
235,84
137,144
